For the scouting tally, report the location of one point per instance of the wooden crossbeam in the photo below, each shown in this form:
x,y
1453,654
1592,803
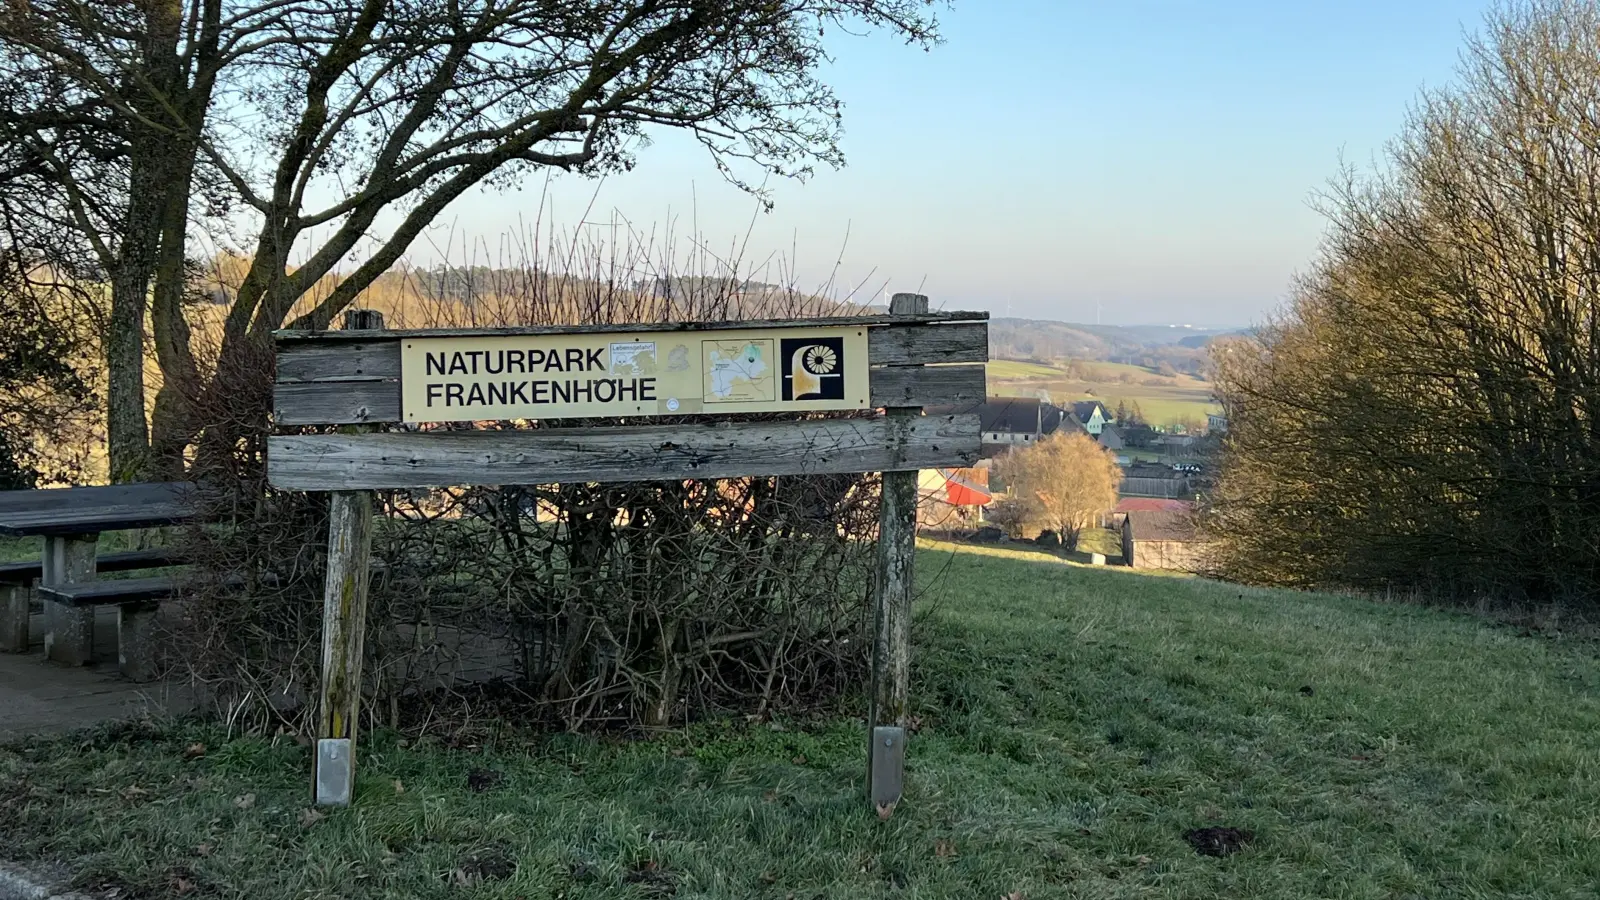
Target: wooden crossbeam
x,y
328,462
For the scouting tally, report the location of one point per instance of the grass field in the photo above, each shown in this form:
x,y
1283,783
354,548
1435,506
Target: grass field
x,y
1010,369
1162,404
1075,724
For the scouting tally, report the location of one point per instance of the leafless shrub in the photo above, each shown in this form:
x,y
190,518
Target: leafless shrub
x,y
619,605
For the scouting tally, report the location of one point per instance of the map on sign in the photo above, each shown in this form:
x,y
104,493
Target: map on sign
x,y
739,371
634,358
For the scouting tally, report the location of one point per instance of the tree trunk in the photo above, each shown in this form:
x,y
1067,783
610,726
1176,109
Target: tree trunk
x,y
665,700
127,436
172,427
152,245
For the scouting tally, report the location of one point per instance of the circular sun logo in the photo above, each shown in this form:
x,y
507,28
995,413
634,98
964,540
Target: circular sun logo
x,y
820,360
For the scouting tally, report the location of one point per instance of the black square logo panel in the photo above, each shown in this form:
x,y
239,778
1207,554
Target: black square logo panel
x,y
813,368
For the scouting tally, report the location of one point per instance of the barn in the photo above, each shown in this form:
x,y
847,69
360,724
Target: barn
x,y
1162,539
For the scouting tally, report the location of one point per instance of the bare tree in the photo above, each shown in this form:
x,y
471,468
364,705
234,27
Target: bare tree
x,y
1065,482
305,121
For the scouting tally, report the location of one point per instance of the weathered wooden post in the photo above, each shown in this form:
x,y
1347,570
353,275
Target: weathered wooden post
x,y
891,648
344,622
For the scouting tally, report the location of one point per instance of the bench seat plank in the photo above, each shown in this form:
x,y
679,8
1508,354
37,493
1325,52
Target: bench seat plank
x,y
111,593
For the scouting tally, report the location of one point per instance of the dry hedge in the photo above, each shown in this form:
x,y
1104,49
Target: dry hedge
x,y
597,606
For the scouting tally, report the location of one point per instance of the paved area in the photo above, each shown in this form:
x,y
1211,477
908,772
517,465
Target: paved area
x,y
39,697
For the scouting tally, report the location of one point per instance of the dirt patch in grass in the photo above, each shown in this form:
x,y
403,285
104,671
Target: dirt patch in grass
x,y
484,864
480,780
652,879
1219,840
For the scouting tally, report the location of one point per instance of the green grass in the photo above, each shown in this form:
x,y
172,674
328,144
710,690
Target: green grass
x,y
1075,723
19,549
1100,540
1010,369
15,549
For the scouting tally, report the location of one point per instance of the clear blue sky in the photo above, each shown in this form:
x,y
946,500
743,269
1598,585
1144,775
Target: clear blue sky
x,y
1153,158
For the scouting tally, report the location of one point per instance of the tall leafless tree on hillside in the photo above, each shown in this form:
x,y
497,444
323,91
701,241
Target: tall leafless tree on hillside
x,y
304,121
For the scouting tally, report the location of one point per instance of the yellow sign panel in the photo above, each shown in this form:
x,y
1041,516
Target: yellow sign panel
x,y
574,376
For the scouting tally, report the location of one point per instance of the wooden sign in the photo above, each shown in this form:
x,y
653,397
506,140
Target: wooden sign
x,y
356,377
573,376
873,374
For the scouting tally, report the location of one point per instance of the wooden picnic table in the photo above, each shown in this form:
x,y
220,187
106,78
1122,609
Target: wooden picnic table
x,y
70,520
80,511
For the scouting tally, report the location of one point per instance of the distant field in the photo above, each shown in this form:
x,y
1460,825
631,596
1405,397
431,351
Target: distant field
x,y
1110,371
1011,369
1161,405
1110,383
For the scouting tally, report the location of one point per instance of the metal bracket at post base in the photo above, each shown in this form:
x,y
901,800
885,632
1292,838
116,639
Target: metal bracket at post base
x,y
335,771
887,774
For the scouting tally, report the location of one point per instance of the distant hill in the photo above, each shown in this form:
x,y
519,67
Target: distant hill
x,y
1180,346
1047,340
1155,335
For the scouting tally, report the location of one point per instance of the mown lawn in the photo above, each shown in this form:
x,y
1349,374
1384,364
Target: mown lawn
x,y
1076,723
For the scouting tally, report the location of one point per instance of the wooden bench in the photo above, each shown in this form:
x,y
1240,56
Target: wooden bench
x,y
17,578
70,520
139,602
25,573
134,626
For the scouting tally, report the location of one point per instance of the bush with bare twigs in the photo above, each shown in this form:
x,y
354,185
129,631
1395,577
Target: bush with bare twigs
x,y
619,605
1063,483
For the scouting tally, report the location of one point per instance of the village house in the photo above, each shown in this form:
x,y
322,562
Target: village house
x,y
1153,480
951,498
1093,414
1175,442
1011,422
1119,513
1163,539
1111,438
